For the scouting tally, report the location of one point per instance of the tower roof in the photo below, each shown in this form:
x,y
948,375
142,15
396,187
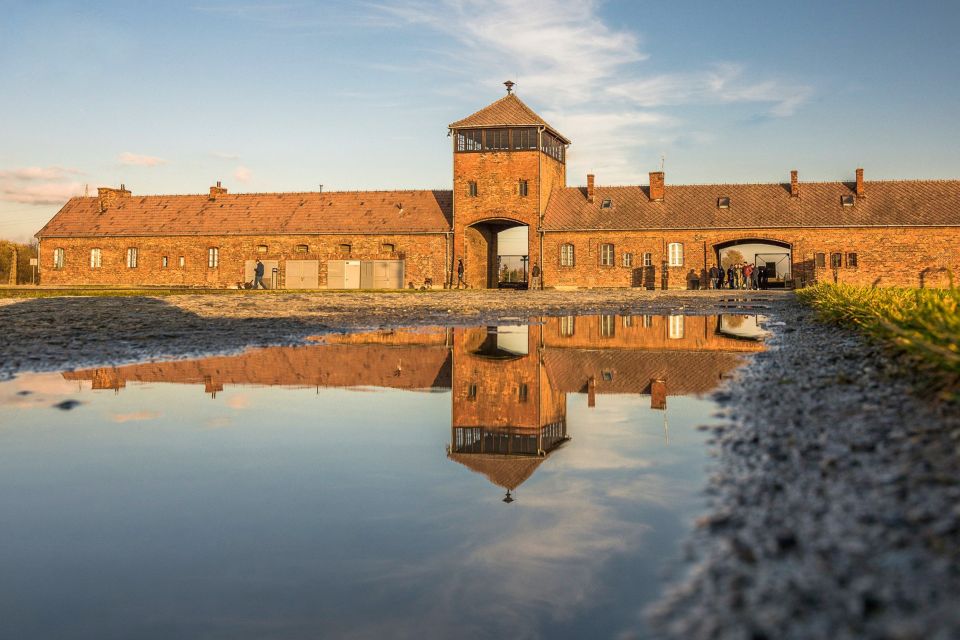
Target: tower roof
x,y
508,111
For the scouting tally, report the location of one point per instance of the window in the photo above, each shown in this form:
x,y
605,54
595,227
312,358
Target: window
x,y
675,252
95,258
301,248
132,258
261,248
566,255
345,248
470,140
522,392
628,259
606,255
607,375
568,326
496,139
388,247
472,392
820,259
676,327
606,204
213,257
524,138
524,187
847,201
627,321
852,260
723,203
472,188
836,260
553,147
647,322
182,262
648,259
608,326
164,262
58,258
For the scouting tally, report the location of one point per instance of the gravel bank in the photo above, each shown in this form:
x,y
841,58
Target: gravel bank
x,y
835,501
53,334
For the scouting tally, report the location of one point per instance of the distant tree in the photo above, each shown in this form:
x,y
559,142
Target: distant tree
x,y
24,253
732,257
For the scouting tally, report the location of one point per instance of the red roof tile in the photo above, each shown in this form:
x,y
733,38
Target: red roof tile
x,y
886,203
394,212
508,111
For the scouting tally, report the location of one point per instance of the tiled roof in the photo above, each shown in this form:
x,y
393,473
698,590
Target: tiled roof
x,y
886,203
508,111
257,213
630,371
508,472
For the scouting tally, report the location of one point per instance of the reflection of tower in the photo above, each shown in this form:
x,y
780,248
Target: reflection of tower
x,y
506,417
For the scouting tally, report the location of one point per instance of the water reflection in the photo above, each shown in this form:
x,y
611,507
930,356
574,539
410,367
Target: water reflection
x,y
509,383
354,488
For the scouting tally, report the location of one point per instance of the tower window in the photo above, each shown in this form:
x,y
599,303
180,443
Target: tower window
x,y
524,187
524,138
496,139
472,188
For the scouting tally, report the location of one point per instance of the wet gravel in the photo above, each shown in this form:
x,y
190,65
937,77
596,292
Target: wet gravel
x,y
835,501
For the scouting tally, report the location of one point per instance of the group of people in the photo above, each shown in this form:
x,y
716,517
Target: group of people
x,y
742,275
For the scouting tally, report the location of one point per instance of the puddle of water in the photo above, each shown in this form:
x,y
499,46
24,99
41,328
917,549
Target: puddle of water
x,y
533,480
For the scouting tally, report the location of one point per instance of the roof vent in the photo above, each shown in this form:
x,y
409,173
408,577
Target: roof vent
x,y
848,200
606,204
723,202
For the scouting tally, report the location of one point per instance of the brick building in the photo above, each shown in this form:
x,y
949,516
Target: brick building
x,y
509,178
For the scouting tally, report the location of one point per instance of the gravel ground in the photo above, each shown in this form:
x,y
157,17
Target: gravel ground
x,y
835,501
53,334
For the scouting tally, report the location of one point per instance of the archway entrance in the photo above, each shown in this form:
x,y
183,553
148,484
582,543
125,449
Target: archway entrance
x,y
496,255
774,256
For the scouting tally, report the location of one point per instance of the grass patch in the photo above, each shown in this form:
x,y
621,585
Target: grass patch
x,y
921,323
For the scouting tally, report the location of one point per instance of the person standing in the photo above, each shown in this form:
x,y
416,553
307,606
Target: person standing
x,y
720,279
714,274
730,276
753,276
258,275
460,280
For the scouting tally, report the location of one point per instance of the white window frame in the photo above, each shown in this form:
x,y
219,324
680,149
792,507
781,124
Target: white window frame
x,y
608,325
676,327
59,258
132,257
565,259
96,258
182,261
165,262
568,326
607,260
675,253
627,259
648,259
213,257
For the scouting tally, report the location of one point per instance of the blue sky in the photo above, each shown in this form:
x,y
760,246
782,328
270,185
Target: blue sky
x,y
169,97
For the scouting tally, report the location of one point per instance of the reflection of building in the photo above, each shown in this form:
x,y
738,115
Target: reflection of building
x,y
508,385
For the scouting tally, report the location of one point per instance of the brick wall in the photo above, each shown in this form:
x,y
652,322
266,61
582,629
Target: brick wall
x,y
694,333
902,256
424,256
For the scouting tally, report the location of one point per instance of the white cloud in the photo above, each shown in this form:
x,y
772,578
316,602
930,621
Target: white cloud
x,y
243,174
138,160
39,193
38,173
602,86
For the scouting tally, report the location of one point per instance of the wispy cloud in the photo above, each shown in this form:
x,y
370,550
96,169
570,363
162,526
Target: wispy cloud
x,y
38,173
39,185
243,174
138,160
602,85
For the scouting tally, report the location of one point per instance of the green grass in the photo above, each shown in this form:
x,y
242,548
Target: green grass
x,y
921,323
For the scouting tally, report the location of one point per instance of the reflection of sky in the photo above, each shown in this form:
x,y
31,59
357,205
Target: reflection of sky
x,y
330,512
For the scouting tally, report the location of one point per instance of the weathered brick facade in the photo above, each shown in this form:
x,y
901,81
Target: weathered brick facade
x,y
509,170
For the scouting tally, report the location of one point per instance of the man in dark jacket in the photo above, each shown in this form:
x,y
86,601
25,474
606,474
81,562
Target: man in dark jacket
x,y
258,275
460,280
714,274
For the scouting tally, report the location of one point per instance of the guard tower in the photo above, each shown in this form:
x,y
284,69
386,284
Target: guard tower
x,y
506,161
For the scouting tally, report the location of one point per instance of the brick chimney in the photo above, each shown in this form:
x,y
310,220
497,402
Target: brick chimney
x,y
656,186
109,196
794,184
658,394
217,191
590,189
861,192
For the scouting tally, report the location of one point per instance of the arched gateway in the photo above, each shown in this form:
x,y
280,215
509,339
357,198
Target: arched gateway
x,y
775,256
506,161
